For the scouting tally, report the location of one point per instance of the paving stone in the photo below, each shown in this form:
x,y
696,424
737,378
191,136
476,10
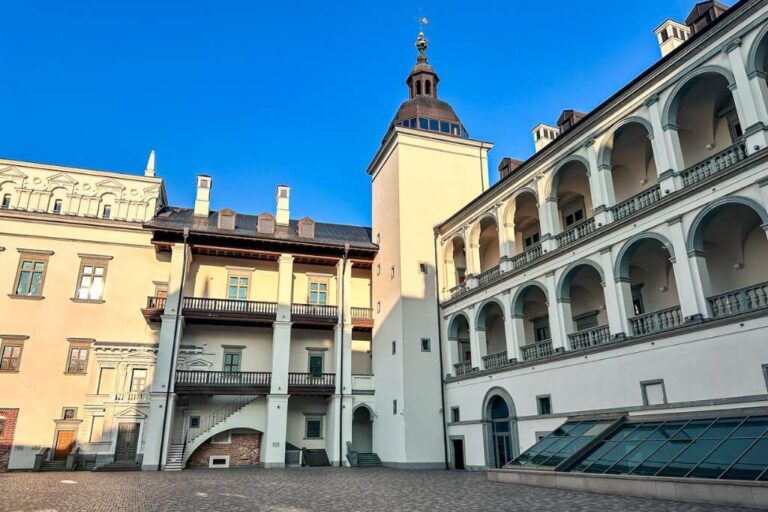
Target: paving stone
x,y
304,490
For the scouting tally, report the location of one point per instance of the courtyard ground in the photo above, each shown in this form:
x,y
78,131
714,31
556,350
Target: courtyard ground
x,y
300,490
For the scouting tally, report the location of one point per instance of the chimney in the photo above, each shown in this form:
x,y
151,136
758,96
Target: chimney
x,y
671,34
203,196
543,134
283,214
150,170
507,166
704,14
568,120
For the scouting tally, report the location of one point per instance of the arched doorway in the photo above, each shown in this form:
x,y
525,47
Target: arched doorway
x,y
362,430
492,334
570,187
501,428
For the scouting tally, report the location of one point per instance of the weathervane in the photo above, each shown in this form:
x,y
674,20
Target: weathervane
x,y
421,41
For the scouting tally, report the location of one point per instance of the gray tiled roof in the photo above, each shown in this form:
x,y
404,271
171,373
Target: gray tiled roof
x,y
336,234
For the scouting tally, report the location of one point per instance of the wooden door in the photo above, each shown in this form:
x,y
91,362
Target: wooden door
x,y
127,442
65,441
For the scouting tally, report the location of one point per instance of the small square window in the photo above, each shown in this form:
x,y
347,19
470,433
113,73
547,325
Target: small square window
x,y
194,422
544,404
653,392
69,413
423,268
455,414
314,427
394,406
394,347
426,345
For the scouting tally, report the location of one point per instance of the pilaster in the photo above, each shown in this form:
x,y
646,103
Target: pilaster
x,y
614,302
335,429
273,445
746,106
688,275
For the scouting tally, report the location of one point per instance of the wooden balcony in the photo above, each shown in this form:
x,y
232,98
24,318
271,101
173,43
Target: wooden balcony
x,y
311,383
314,315
362,318
154,309
205,310
204,382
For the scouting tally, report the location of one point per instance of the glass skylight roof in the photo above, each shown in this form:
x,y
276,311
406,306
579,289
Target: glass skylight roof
x,y
733,448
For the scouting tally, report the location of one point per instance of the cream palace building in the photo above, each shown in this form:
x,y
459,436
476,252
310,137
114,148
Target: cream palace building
x,y
614,279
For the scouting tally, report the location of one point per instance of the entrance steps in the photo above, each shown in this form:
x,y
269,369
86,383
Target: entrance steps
x,y
119,466
58,465
175,459
368,460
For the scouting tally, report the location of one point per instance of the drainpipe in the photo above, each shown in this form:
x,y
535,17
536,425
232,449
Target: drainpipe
x,y
179,305
440,353
341,348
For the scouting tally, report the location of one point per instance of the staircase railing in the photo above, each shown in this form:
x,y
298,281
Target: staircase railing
x,y
216,417
351,455
41,458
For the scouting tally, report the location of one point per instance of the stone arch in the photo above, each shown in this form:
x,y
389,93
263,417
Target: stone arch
x,y
604,153
484,245
564,284
224,426
499,431
480,316
517,305
365,406
669,113
696,231
510,202
453,326
757,53
621,267
556,173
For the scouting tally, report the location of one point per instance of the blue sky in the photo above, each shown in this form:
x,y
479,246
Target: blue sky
x,y
262,93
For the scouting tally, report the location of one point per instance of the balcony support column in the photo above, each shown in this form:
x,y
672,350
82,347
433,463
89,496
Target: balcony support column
x,y
692,280
171,329
342,343
560,322
273,451
600,186
666,149
614,301
284,287
517,331
474,339
746,106
506,237
509,327
332,428
549,223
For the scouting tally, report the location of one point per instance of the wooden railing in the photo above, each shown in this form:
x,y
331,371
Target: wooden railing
x,y
529,255
576,232
311,380
637,202
464,368
749,298
315,310
366,313
156,302
587,338
537,350
489,276
657,321
459,289
498,360
726,158
229,306
212,378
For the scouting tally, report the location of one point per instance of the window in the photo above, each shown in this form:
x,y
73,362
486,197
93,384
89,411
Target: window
x,y
77,361
531,240
194,422
69,413
541,328
238,287
423,123
426,345
394,406
266,224
106,212
418,87
734,126
231,361
10,357
314,427
161,290
31,275
637,299
586,321
6,201
455,415
445,127
91,280
315,363
222,438
378,269
57,204
106,381
378,306
574,217
653,392
226,219
394,347
392,272
423,269
544,404
138,380
765,374
433,125
318,291
427,87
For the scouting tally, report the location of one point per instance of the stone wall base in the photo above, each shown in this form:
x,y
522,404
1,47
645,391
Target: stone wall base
x,y
243,450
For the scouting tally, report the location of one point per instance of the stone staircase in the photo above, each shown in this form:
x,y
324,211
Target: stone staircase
x,y
175,459
59,465
119,466
368,460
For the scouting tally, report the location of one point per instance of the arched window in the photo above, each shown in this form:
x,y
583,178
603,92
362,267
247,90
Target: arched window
x,y
57,204
6,201
106,212
418,87
428,88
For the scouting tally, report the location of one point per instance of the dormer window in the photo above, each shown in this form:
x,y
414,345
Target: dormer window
x,y
266,224
226,219
307,228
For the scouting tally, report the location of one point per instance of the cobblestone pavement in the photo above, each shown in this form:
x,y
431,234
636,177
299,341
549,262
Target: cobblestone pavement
x,y
300,490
